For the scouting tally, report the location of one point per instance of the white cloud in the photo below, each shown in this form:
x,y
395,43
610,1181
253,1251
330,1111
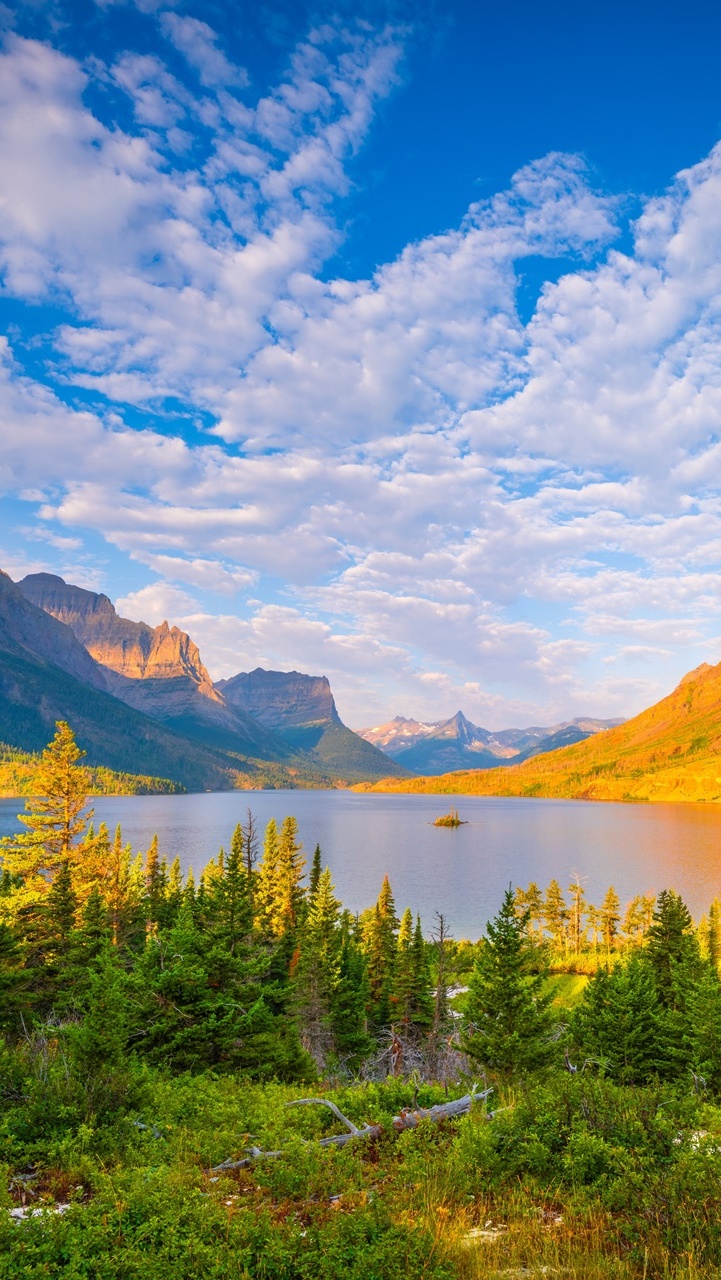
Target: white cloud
x,y
427,498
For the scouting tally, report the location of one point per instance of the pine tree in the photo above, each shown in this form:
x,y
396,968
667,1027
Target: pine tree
x,y
379,944
348,1009
576,913
54,820
441,1017
267,883
61,906
402,998
671,945
507,1024
555,915
619,1021
315,874
317,973
610,917
156,880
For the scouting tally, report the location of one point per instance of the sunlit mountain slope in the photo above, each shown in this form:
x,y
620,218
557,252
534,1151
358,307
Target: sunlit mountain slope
x,y
671,751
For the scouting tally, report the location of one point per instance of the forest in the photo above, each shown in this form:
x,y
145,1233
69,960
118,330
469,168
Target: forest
x,y
542,1101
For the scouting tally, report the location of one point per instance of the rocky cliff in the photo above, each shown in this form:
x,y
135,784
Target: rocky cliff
x,y
301,710
281,699
156,670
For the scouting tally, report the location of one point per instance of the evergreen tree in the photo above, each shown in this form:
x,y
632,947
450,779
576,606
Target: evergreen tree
x,y
619,1021
350,1000
380,946
441,1014
671,944
610,917
155,885
266,895
317,973
702,1027
61,906
507,1023
54,819
315,874
555,915
402,998
576,931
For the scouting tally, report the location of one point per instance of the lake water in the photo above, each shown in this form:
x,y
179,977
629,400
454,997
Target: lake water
x,y
461,872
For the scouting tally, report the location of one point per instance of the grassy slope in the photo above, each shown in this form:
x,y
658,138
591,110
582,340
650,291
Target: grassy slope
x,y
671,751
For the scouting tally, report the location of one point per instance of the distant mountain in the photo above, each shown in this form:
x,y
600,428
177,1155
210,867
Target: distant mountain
x,y
445,745
301,710
156,670
281,728
36,690
671,751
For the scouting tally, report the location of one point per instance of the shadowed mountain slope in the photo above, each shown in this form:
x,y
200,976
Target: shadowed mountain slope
x,y
35,692
156,670
300,709
671,751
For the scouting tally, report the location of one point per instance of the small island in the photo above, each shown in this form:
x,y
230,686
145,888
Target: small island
x,y
450,819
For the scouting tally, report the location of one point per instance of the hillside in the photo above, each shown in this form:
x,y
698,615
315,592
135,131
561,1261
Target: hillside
x,y
300,709
18,770
671,751
455,744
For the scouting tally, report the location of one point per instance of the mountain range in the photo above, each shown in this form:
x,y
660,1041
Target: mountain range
x,y
445,745
140,699
671,751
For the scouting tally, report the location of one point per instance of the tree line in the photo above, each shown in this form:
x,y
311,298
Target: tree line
x,y
257,970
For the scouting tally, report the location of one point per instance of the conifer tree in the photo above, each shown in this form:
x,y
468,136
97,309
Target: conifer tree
x,y
507,1023
555,914
380,946
619,1021
441,1010
402,998
352,995
156,881
267,883
671,945
315,874
54,819
576,913
61,906
610,917
317,973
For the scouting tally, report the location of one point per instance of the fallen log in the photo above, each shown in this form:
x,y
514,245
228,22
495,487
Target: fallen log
x,y
409,1118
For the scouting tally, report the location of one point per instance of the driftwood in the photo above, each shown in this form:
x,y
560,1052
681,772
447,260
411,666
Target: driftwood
x,y
408,1119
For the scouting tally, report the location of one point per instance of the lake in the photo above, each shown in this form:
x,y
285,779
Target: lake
x,y
460,871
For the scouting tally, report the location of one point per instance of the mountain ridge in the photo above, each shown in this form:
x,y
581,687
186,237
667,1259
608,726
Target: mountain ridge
x,y
671,751
444,745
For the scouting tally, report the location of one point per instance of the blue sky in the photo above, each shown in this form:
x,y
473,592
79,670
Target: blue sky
x,y
374,340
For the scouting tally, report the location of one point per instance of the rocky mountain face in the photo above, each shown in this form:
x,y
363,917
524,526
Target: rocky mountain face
x,y
281,699
156,670
286,719
446,745
47,675
301,710
26,628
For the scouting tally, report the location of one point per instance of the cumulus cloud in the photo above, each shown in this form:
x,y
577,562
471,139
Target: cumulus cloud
x,y
394,480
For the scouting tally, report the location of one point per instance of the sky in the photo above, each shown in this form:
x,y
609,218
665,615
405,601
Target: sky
x,y
374,340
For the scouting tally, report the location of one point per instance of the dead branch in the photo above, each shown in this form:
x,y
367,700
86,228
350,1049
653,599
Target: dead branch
x,y
408,1119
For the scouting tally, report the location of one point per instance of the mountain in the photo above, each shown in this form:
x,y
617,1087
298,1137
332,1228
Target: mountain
x,y
301,710
156,670
435,748
671,751
47,675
